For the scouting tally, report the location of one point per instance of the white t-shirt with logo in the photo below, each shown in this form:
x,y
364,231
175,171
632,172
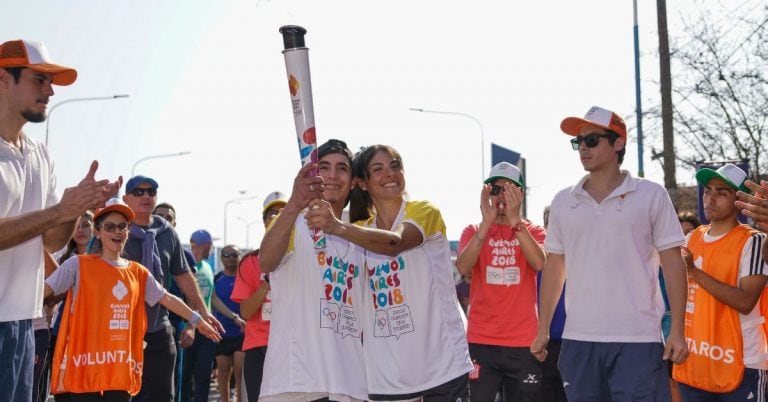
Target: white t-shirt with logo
x,y
415,336
315,346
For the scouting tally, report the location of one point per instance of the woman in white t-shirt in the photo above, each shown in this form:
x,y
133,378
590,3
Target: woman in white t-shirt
x,y
414,335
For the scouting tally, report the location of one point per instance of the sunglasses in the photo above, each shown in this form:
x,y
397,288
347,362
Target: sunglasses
x,y
111,227
496,189
271,214
139,192
230,255
590,140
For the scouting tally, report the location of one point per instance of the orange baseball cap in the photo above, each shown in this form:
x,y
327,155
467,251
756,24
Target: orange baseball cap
x,y
34,56
116,205
596,117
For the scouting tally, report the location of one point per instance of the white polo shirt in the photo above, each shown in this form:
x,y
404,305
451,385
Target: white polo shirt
x,y
27,184
611,259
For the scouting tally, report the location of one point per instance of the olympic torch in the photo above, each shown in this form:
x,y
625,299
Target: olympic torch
x,y
300,86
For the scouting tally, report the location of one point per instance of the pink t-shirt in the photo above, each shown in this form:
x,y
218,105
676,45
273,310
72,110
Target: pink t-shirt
x,y
249,279
503,304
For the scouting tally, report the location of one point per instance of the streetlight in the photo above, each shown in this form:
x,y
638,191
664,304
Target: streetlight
x,y
482,133
95,98
133,169
248,230
226,204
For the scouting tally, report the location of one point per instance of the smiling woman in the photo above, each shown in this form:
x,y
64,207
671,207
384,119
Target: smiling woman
x,y
100,346
410,286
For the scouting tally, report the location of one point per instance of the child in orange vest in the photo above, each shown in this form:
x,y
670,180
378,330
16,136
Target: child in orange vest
x,y
99,352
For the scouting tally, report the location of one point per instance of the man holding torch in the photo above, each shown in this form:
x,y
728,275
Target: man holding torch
x,y
319,340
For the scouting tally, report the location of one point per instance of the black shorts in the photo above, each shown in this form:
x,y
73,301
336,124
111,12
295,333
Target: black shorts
x,y
511,369
453,390
229,345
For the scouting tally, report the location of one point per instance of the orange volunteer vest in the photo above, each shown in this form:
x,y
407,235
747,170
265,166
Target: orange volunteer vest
x,y
100,345
713,329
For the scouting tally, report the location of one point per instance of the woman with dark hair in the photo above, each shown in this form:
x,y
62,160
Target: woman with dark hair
x,y
78,244
99,355
688,221
415,344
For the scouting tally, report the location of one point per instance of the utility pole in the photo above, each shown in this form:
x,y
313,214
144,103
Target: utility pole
x,y
670,182
638,97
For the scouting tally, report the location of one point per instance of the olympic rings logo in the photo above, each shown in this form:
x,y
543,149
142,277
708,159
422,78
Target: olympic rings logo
x,y
330,314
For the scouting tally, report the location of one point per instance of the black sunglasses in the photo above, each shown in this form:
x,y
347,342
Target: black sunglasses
x,y
111,227
496,189
139,192
590,140
229,255
271,214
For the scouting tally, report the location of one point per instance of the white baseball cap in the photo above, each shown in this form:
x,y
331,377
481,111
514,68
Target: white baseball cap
x,y
597,117
274,198
505,170
731,174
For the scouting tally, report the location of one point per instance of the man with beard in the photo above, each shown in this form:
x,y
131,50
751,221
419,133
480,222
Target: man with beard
x,y
33,218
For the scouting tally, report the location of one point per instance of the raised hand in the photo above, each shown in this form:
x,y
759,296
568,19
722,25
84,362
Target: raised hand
x,y
755,206
113,189
513,200
305,189
320,216
88,194
487,207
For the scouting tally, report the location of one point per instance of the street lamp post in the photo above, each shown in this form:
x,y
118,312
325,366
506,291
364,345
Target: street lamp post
x,y
146,158
248,230
94,98
482,133
226,205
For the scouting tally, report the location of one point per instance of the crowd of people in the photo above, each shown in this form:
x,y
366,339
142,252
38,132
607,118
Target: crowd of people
x,y
101,302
